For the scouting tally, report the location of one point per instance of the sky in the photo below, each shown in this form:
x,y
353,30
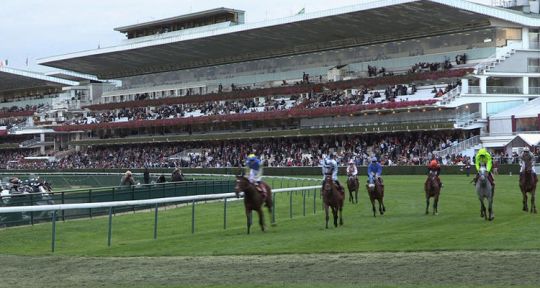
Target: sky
x,y
33,29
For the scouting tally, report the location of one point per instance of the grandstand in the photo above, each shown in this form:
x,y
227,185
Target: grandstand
x,y
349,72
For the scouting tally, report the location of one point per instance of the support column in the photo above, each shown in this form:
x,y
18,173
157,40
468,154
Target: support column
x,y
77,138
538,123
483,109
483,84
514,123
464,86
525,86
525,37
42,141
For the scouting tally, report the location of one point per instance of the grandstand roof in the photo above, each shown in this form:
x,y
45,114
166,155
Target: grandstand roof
x,y
186,17
72,76
361,24
12,80
526,110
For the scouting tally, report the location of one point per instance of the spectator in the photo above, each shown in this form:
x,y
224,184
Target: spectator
x,y
127,179
177,175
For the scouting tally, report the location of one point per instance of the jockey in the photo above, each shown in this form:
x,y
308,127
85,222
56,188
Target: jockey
x,y
330,167
483,158
255,169
435,167
374,167
527,162
351,169
255,173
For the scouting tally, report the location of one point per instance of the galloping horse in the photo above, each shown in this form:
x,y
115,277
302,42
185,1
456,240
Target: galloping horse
x,y
432,189
352,185
253,200
375,191
484,191
333,198
527,183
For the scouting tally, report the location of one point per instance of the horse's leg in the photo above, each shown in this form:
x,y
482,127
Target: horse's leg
x,y
525,207
261,218
436,205
326,212
482,209
335,214
490,208
427,204
249,215
533,201
373,206
356,194
351,196
341,214
381,206
269,203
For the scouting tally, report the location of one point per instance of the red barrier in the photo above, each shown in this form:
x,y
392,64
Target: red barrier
x,y
16,114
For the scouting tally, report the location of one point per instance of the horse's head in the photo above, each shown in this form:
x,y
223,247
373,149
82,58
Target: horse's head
x,y
327,186
482,172
241,184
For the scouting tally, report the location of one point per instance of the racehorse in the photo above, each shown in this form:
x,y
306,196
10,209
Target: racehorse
x,y
352,185
484,191
253,199
375,191
432,189
527,183
333,198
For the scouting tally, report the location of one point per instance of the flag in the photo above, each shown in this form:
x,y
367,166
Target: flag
x,y
26,61
302,11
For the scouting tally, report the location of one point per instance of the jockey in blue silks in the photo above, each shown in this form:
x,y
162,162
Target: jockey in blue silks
x,y
255,169
374,169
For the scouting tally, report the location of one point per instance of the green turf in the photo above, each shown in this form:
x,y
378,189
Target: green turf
x,y
403,228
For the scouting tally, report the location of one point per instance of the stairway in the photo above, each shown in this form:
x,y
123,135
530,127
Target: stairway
x,y
460,147
492,62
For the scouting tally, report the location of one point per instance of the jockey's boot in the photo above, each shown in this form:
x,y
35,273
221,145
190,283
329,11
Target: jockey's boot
x,y
476,178
340,188
535,178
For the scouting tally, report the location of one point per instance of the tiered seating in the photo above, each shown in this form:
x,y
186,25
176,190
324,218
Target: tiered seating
x,y
287,90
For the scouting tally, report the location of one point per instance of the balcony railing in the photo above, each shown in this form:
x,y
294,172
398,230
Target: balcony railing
x,y
534,90
474,90
503,90
496,90
533,69
459,147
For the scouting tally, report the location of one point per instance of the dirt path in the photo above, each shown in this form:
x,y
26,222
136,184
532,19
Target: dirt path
x,y
429,268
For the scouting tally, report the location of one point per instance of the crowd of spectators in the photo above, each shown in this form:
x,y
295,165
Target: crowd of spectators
x,y
397,149
191,110
373,71
440,92
431,67
360,96
11,122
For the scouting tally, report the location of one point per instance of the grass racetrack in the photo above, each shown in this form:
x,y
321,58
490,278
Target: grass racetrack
x,y
403,248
